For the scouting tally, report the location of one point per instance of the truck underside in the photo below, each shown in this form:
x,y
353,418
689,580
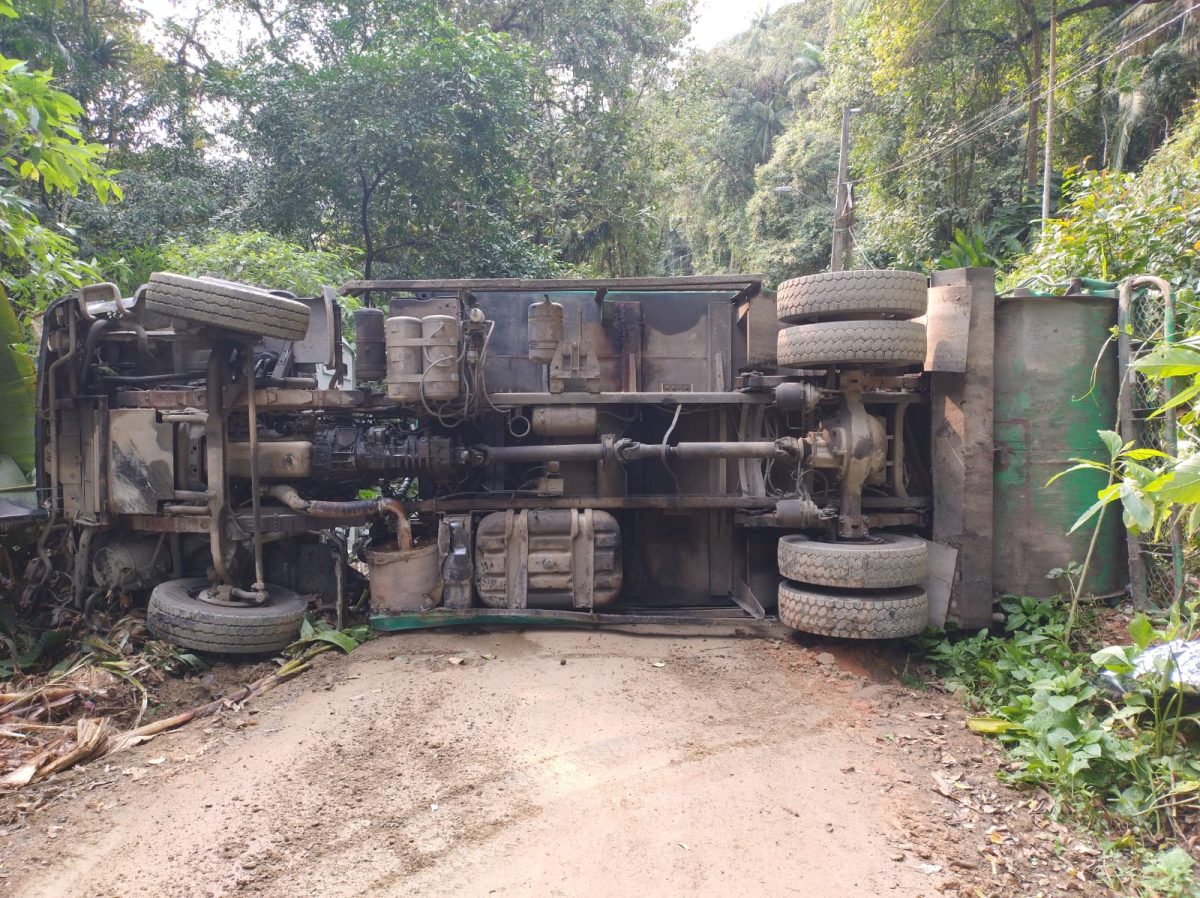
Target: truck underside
x,y
680,448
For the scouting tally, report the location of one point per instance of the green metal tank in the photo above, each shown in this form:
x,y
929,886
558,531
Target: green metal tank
x,y
1047,411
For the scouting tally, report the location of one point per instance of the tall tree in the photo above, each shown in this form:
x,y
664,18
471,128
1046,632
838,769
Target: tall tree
x,y
45,157
591,158
389,127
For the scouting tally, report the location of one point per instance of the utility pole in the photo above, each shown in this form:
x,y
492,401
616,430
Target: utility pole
x,y
1046,169
843,208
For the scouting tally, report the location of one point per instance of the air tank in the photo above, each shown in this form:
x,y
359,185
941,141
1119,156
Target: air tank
x,y
405,359
440,336
370,346
1047,411
545,330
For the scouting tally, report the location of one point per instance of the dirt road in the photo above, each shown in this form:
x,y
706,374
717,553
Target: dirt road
x,y
552,763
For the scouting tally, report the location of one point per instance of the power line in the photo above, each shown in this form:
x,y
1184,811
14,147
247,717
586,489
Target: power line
x,y
976,126
1018,100
1068,108
921,31
984,128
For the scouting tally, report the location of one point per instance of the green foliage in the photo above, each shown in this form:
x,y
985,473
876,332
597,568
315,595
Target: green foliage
x,y
259,258
17,383
738,122
1116,225
788,219
1126,764
1170,873
593,156
44,157
982,246
317,632
400,140
99,56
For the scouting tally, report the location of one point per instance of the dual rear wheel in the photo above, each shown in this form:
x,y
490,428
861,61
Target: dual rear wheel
x,y
852,319
865,589
870,588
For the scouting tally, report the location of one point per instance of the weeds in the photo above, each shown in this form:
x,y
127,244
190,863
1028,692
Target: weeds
x,y
1125,762
80,708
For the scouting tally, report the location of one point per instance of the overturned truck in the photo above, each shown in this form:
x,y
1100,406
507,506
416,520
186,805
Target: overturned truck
x,y
689,449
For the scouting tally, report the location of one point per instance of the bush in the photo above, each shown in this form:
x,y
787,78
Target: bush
x,y
1116,225
1128,765
258,258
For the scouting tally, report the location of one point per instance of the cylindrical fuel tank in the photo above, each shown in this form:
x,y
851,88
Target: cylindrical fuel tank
x,y
548,558
405,358
545,330
565,420
440,334
1047,411
370,348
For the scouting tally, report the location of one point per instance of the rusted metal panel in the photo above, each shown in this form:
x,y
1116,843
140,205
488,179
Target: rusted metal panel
x,y
157,523
1056,386
277,460
548,558
939,581
948,328
141,461
686,346
272,399
719,617
758,332
962,452
674,550
404,579
321,345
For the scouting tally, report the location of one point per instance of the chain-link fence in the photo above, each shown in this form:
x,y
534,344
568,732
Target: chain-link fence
x,y
1148,319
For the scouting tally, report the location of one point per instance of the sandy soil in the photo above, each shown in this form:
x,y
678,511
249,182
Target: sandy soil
x,y
554,763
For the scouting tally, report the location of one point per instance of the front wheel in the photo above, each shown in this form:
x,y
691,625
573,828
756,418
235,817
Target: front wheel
x,y
227,305
178,615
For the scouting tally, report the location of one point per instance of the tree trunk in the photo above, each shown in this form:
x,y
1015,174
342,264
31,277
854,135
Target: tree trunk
x,y
1035,105
364,211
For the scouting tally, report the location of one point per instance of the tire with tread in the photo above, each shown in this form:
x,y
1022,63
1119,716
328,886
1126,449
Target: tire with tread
x,y
228,305
176,615
885,561
848,344
864,615
852,295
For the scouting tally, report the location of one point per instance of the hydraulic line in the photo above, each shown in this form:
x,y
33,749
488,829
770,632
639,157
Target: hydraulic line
x,y
354,508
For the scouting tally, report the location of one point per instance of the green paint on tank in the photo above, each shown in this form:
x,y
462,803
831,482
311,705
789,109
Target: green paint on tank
x,y
1054,389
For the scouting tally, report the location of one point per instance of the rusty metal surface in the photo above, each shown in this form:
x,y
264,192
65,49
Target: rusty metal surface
x,y
270,398
1056,386
703,616
962,450
548,558
141,454
321,345
277,460
948,328
404,579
